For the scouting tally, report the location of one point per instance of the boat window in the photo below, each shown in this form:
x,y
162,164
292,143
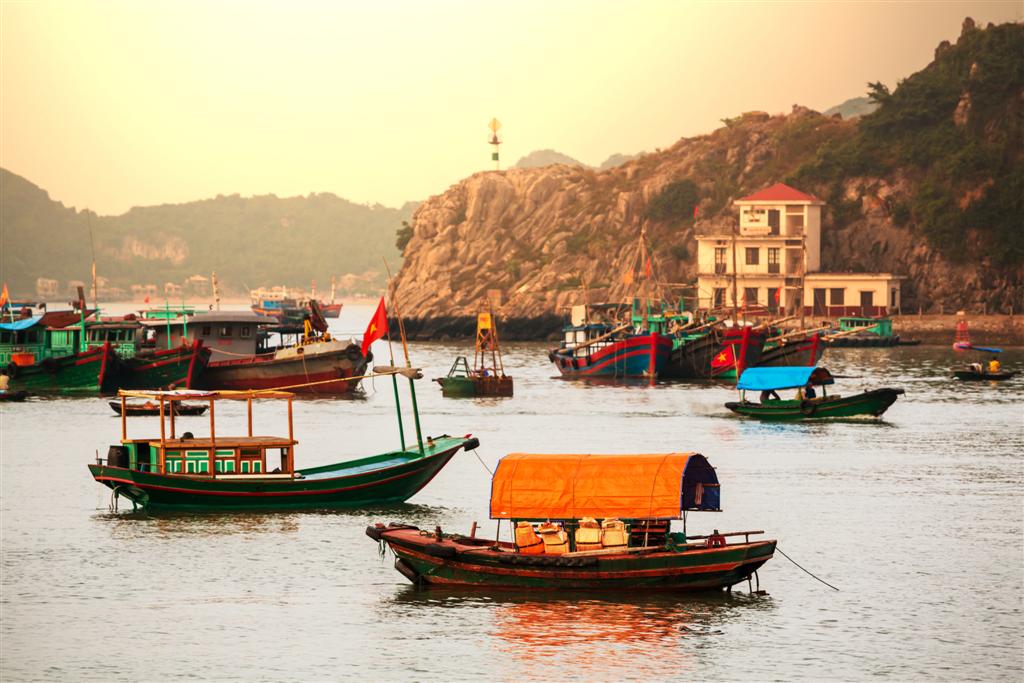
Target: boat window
x,y
207,330
245,332
225,331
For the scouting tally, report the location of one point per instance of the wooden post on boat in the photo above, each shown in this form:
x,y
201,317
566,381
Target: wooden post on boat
x,y
213,442
124,419
248,402
163,437
291,437
408,364
171,403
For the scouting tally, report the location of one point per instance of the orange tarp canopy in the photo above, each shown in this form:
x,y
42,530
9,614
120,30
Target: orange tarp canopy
x,y
644,486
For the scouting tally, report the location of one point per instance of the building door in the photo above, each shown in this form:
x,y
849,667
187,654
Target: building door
x,y
773,259
773,300
773,221
819,301
867,303
719,260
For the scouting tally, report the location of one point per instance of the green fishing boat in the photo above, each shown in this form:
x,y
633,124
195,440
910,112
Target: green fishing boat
x,y
46,353
172,470
807,405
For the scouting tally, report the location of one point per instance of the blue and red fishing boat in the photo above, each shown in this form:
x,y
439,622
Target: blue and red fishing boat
x,y
597,351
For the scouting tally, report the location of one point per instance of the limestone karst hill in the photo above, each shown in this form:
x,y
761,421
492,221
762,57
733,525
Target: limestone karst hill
x,y
930,185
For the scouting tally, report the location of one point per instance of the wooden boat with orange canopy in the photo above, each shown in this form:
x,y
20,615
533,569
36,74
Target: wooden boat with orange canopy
x,y
604,523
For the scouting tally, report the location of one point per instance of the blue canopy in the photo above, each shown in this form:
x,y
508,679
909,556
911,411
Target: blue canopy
x,y
22,324
768,379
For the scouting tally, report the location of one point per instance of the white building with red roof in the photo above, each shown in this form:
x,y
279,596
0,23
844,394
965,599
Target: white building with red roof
x,y
772,260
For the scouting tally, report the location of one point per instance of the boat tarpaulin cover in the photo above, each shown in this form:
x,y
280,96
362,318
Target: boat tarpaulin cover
x,y
634,486
22,324
789,377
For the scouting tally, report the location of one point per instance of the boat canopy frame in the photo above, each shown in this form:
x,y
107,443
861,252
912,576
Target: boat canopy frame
x,y
660,486
167,398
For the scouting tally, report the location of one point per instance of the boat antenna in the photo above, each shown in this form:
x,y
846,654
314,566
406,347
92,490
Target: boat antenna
x,y
408,363
92,249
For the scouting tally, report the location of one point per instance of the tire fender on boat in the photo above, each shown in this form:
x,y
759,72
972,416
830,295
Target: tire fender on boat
x,y
471,444
808,408
353,353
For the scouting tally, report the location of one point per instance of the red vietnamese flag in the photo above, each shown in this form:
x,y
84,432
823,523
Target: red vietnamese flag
x,y
377,328
724,358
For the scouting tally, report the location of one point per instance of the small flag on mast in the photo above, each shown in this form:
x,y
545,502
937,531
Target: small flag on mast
x,y
377,328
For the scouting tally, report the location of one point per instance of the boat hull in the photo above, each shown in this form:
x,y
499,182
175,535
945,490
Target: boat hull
x,y
717,355
638,356
477,565
96,369
135,410
341,485
330,372
182,366
975,376
871,403
470,387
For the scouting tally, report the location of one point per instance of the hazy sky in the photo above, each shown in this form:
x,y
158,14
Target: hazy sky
x,y
115,104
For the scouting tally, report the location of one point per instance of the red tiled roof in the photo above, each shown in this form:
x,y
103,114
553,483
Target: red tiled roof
x,y
779,192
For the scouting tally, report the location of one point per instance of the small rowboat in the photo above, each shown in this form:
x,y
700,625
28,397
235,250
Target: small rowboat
x,y
869,403
153,409
972,375
634,495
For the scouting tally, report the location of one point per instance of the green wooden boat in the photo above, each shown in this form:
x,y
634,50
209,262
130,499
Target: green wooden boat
x,y
631,549
483,379
771,379
252,471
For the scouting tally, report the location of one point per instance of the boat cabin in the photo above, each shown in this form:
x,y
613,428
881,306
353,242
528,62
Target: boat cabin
x,y
174,452
878,326
125,335
32,339
230,335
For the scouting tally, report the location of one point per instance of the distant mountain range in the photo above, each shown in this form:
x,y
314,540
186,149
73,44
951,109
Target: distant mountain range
x,y
549,157
852,108
249,241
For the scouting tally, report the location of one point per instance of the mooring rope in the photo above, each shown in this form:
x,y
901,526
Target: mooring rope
x,y
477,454
804,570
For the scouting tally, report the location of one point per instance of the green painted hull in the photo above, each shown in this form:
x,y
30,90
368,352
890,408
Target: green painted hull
x,y
457,387
377,480
871,403
92,370
477,565
181,367
466,387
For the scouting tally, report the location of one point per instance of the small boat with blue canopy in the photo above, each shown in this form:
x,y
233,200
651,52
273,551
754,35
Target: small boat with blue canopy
x,y
587,521
807,404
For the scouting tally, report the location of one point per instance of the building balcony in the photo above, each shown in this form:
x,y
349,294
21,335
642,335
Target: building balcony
x,y
745,275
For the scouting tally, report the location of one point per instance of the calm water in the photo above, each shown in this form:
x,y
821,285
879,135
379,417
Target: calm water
x,y
918,519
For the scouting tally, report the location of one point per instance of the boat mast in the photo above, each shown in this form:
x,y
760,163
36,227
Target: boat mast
x,y
408,364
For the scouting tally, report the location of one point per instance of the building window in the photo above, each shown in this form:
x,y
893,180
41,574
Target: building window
x,y
753,256
773,299
719,299
773,259
750,296
893,298
837,297
773,221
719,260
818,302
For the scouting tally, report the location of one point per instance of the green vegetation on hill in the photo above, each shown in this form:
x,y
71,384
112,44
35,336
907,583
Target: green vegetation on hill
x,y
248,241
956,129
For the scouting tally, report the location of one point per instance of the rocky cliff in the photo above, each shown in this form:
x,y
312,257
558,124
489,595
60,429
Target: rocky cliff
x,y
536,235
